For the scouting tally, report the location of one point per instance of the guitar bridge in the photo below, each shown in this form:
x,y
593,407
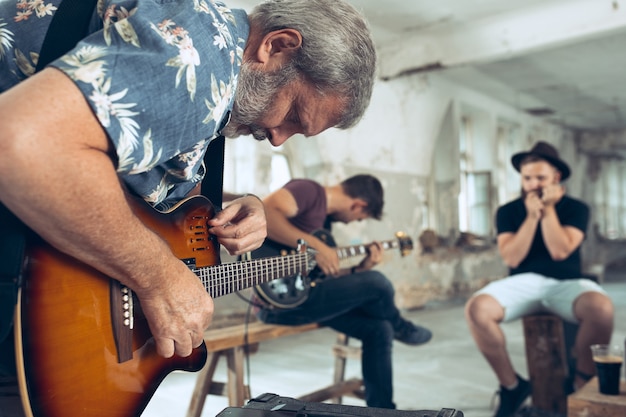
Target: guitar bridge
x,y
127,306
122,320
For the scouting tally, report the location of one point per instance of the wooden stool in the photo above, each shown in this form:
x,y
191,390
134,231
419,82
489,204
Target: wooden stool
x,y
546,357
341,387
231,342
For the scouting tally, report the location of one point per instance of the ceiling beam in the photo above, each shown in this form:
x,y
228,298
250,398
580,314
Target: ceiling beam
x,y
506,35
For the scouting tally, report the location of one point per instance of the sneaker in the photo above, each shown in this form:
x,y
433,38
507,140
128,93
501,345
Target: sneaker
x,y
511,400
412,334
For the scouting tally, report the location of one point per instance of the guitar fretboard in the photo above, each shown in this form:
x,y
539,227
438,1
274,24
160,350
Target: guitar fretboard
x,y
356,250
227,278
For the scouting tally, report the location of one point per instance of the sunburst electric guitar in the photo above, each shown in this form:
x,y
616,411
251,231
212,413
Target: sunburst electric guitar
x,y
83,346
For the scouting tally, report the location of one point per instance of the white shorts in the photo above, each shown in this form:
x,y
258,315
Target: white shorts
x,y
529,293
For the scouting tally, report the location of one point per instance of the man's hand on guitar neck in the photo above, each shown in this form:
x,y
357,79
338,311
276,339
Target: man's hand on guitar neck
x,y
373,258
327,259
241,227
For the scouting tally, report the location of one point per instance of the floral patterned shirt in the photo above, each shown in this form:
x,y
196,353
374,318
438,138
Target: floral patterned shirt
x,y
160,76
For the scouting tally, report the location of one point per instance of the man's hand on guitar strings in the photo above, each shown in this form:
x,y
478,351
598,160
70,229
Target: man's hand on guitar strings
x,y
178,310
241,227
327,260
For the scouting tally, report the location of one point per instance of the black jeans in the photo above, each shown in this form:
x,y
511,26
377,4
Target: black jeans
x,y
10,403
361,306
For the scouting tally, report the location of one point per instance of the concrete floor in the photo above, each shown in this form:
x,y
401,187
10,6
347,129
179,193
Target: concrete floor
x,y
448,372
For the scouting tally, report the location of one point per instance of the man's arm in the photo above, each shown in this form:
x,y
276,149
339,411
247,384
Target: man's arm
x,y
514,247
57,175
280,206
560,240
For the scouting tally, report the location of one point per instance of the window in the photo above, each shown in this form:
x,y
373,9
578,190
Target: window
x,y
508,142
476,200
280,170
475,214
254,167
610,199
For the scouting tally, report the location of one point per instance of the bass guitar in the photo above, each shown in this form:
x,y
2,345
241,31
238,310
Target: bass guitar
x,y
292,291
83,346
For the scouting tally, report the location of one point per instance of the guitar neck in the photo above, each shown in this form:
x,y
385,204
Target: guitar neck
x,y
220,280
346,252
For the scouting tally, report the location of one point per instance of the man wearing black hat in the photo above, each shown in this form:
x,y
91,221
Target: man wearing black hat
x,y
539,239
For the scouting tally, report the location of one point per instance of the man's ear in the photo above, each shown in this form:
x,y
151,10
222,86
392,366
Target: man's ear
x,y
358,203
277,47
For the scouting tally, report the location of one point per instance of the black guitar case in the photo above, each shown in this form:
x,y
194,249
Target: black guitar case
x,y
272,405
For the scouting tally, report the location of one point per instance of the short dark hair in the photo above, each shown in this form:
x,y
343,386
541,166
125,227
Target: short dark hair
x,y
369,189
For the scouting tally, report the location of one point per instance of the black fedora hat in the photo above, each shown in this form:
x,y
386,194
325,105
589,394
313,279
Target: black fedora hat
x,y
544,151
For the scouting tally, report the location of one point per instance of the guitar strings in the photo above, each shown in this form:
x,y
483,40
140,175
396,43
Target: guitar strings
x,y
217,279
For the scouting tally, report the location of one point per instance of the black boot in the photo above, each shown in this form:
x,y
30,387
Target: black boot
x,y
511,400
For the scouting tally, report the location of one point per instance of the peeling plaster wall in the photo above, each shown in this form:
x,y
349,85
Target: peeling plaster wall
x,y
445,274
395,134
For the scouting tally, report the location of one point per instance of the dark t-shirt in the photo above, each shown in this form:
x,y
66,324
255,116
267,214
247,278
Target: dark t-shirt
x,y
571,212
311,200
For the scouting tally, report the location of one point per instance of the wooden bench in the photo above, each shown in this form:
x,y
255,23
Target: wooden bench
x,y
233,342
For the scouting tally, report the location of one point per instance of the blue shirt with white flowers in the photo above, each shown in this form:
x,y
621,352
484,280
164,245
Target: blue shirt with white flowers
x,y
160,76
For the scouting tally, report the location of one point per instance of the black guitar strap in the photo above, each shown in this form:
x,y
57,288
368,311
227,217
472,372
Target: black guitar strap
x,y
213,184
12,246
69,24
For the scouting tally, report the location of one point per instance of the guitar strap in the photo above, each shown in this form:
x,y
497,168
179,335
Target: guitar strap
x,y
12,245
213,183
69,24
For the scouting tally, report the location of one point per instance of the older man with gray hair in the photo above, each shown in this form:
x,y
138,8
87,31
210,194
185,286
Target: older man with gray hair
x,y
131,110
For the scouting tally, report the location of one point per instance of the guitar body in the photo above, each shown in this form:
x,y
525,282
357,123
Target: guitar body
x,y
292,291
70,351
285,292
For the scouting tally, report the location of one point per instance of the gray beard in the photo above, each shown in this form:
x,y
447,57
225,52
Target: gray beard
x,y
254,97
